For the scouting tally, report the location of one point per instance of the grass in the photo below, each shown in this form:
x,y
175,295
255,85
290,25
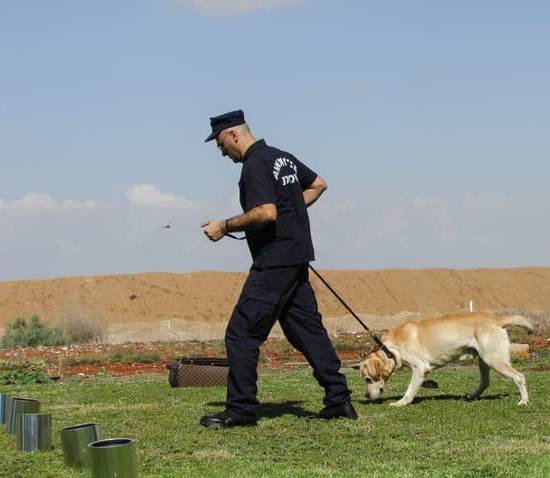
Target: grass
x,y
115,356
439,436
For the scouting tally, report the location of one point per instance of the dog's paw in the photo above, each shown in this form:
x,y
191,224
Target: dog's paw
x,y
399,403
523,403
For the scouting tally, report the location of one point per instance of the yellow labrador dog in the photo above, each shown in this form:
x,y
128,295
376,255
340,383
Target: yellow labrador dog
x,y
424,345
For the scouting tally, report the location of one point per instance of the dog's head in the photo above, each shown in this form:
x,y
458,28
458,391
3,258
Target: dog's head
x,y
376,369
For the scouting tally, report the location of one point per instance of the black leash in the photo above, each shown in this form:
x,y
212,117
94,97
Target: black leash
x,y
355,316
228,234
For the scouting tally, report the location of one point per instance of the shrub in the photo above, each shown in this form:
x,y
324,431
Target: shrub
x,y
86,360
22,332
133,356
15,377
22,372
81,325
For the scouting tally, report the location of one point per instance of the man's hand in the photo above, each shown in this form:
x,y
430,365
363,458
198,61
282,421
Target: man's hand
x,y
252,219
314,190
214,230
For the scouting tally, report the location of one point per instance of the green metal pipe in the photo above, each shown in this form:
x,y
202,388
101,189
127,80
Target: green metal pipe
x,y
75,440
34,432
19,406
3,400
7,410
113,458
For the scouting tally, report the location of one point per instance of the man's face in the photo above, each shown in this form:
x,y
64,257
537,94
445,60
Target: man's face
x,y
226,142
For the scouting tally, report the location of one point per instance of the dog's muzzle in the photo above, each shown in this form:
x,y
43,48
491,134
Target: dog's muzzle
x,y
374,390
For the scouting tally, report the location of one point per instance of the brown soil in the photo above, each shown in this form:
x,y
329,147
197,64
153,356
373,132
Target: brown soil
x,y
159,306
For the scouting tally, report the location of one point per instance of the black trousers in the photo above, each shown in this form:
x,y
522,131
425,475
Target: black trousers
x,y
284,294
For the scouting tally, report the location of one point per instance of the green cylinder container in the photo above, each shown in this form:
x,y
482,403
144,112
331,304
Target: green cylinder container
x,y
7,410
75,440
19,406
113,458
34,432
3,404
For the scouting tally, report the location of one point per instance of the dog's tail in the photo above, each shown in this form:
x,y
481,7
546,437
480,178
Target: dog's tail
x,y
517,320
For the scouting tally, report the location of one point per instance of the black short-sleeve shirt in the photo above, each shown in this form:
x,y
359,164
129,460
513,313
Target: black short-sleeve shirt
x,y
270,175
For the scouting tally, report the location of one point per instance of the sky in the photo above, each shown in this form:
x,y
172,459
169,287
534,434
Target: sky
x,y
429,121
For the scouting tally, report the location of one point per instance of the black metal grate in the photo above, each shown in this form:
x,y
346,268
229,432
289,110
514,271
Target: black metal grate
x,y
198,372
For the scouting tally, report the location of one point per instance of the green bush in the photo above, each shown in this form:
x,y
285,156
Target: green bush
x,y
133,356
22,372
85,360
15,377
21,332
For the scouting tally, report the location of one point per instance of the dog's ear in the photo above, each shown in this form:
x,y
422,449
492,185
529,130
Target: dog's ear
x,y
384,367
379,367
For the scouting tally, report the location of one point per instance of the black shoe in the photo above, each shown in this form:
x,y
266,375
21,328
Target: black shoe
x,y
227,419
344,410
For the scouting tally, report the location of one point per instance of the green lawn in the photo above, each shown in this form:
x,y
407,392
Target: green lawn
x,y
439,436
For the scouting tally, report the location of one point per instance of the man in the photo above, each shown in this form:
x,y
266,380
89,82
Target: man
x,y
275,191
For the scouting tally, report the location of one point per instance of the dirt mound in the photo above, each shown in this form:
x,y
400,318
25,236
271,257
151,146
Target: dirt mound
x,y
161,306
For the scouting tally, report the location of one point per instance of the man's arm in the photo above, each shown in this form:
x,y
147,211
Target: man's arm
x,y
314,190
252,219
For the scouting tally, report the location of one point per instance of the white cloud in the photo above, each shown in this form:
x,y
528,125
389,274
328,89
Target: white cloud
x,y
37,203
229,7
147,195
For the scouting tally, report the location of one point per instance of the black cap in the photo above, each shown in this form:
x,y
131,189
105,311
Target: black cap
x,y
227,120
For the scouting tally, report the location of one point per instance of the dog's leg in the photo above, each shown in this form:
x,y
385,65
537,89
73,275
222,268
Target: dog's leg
x,y
484,380
508,371
494,349
416,380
